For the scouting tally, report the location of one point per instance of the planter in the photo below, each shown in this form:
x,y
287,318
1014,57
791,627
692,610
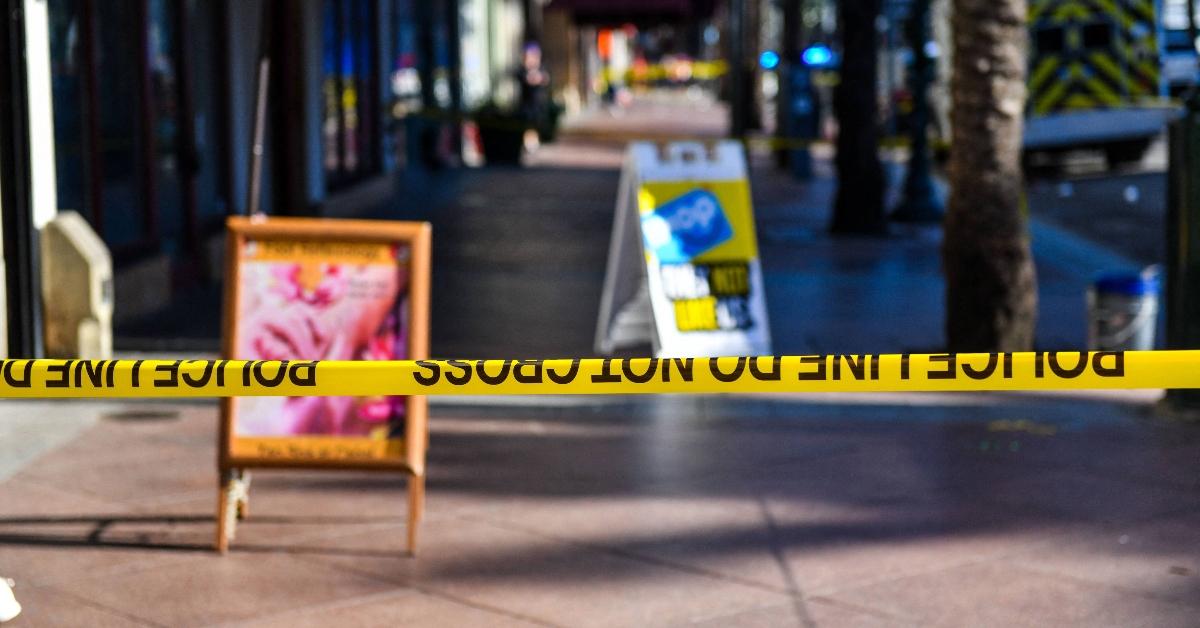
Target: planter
x,y
548,124
502,140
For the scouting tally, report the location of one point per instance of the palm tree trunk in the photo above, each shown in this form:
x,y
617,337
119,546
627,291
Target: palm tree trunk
x,y
991,288
858,207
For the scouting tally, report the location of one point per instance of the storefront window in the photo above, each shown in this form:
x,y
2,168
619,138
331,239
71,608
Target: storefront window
x,y
67,77
125,123
348,123
441,58
405,79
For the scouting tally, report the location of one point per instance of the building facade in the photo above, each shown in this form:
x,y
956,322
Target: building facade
x,y
154,107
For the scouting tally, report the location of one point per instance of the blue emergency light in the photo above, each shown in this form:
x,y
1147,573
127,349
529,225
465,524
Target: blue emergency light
x,y
817,55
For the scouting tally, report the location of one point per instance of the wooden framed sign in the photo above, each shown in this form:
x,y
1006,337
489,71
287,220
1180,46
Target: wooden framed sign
x,y
321,289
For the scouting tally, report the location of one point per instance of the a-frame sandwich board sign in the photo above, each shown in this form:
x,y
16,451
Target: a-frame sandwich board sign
x,y
683,270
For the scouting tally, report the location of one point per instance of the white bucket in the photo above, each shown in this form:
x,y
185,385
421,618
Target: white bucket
x,y
1123,311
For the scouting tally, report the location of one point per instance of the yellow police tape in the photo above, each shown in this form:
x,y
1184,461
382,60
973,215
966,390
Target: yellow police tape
x,y
766,374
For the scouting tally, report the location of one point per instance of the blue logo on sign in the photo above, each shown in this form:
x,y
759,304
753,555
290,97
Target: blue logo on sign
x,y
685,227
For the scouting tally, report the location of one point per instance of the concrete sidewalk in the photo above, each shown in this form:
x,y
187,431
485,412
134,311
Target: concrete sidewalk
x,y
841,510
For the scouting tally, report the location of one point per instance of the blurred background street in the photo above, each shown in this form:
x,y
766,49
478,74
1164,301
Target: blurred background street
x,y
498,246
505,125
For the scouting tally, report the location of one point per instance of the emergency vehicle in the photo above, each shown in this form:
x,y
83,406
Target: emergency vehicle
x,y
1095,77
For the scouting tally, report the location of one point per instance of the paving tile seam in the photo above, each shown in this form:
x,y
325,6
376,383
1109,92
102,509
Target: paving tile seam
x,y
854,606
802,619
409,582
434,592
359,599
728,616
777,548
834,590
38,482
164,556
116,570
626,554
293,612
141,621
806,622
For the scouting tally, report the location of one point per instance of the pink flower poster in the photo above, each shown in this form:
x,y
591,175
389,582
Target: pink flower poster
x,y
311,300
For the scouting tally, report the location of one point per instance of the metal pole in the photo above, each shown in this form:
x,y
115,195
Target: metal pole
x,y
1191,11
454,61
187,153
90,111
254,185
737,70
920,202
789,60
1183,238
147,137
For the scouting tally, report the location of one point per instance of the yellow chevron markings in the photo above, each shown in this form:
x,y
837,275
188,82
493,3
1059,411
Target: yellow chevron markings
x,y
1106,65
1145,8
1148,73
1097,77
1044,70
1068,11
1102,91
1079,101
1148,70
1111,8
1050,97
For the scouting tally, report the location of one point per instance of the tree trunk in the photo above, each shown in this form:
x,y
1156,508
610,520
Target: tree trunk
x,y
991,288
858,207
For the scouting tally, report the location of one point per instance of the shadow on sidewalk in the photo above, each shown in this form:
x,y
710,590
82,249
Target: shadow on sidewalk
x,y
101,535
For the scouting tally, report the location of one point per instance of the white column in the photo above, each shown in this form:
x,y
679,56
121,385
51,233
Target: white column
x,y
44,190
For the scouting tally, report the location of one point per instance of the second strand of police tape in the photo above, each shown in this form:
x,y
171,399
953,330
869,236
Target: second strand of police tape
x,y
764,374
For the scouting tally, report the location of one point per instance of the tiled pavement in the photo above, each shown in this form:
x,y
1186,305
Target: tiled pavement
x,y
888,510
838,510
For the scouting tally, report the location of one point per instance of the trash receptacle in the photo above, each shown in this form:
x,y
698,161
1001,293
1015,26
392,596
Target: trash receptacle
x,y
1123,311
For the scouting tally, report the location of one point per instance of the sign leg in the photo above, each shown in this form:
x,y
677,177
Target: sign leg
x,y
416,507
231,505
224,491
243,502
